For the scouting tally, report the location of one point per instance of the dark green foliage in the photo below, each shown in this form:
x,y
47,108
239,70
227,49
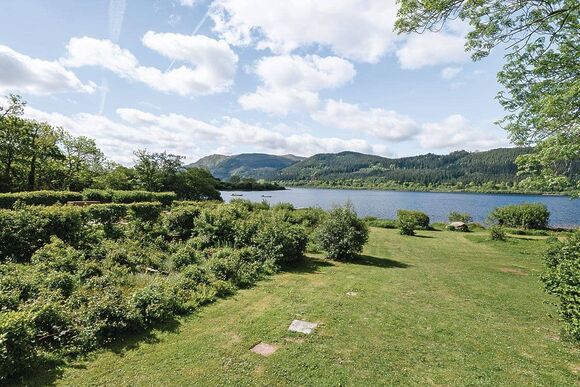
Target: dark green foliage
x,y
17,343
99,195
372,221
527,216
131,196
342,234
244,165
459,217
406,224
562,279
165,198
44,198
497,233
77,289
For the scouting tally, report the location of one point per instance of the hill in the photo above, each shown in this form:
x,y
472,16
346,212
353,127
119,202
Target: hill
x,y
245,165
496,165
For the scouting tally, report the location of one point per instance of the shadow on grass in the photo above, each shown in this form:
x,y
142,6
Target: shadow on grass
x,y
306,265
47,371
369,260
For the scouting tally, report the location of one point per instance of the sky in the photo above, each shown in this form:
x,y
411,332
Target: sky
x,y
197,77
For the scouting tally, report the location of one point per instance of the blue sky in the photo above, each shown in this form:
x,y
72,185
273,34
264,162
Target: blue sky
x,y
196,77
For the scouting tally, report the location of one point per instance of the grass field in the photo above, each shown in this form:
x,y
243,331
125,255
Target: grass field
x,y
442,308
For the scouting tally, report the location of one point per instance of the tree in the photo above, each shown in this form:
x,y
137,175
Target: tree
x,y
83,161
541,76
156,171
196,184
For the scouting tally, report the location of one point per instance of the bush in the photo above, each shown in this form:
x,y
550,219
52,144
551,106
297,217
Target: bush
x,y
100,195
420,219
242,267
406,224
497,233
165,198
180,221
187,255
218,225
17,349
459,217
342,235
371,221
145,212
527,216
277,239
154,303
562,279
131,196
43,198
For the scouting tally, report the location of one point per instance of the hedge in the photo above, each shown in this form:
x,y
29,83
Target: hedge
x,y
45,198
527,215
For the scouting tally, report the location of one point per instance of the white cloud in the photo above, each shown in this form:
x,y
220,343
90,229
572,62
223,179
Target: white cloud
x,y
291,82
357,29
457,132
21,73
449,73
214,62
187,3
380,123
431,48
179,134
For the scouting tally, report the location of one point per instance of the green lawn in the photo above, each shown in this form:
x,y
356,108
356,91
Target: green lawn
x,y
442,308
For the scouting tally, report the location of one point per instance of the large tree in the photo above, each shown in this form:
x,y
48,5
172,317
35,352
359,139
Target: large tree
x,y
541,75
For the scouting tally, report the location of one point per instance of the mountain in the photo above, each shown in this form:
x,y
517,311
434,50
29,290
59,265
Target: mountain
x,y
496,165
245,165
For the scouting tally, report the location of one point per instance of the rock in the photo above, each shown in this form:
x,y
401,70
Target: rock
x,y
302,327
264,349
459,226
351,294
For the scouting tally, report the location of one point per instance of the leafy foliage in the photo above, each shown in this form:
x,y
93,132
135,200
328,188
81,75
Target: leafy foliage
x,y
527,216
342,234
562,279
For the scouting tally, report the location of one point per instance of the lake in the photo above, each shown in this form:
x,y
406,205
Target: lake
x,y
384,204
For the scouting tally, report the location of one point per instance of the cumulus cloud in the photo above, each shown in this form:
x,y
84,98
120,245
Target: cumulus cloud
x,y
21,73
214,62
380,123
180,134
431,48
187,3
292,82
457,132
356,29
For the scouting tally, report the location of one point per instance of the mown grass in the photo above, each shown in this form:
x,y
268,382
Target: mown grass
x,y
442,308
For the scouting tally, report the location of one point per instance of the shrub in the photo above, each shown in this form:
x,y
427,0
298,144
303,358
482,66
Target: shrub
x,y
497,233
100,195
528,216
420,219
131,196
108,215
217,225
56,255
180,221
25,230
165,198
562,279
459,217
406,224
44,198
277,239
342,235
242,267
145,212
154,303
17,349
372,221
187,255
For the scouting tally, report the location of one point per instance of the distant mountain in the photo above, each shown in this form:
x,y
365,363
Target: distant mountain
x,y
496,165
254,165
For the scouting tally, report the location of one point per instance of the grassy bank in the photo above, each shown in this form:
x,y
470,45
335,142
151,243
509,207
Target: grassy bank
x,y
442,308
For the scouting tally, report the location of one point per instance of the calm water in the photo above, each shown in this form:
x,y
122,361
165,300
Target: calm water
x,y
384,204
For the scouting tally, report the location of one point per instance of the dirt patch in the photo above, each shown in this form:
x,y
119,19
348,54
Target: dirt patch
x,y
512,270
264,349
575,368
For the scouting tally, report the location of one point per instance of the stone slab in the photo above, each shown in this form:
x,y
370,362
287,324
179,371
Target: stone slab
x,y
302,327
264,349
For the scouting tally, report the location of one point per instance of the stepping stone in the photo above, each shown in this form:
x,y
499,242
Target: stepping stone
x,y
264,349
351,294
302,326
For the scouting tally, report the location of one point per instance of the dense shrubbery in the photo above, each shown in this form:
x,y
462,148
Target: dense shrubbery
x,y
408,221
72,279
528,216
562,279
45,198
371,221
455,216
342,234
